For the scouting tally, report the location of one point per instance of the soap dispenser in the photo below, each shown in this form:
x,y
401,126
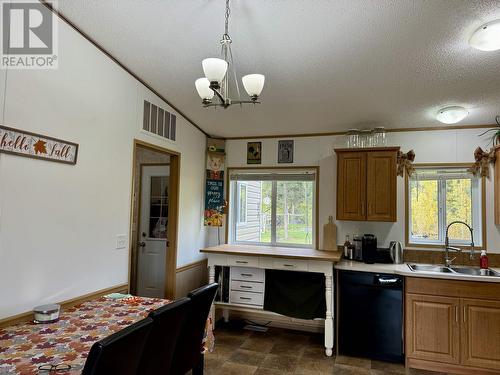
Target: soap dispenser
x,y
483,260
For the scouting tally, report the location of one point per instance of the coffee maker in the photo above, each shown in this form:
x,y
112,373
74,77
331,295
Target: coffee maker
x,y
369,248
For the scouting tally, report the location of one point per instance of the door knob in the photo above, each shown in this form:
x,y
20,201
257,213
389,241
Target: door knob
x,y
142,244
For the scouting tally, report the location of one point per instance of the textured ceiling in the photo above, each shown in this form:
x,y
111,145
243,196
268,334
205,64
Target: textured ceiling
x,y
329,65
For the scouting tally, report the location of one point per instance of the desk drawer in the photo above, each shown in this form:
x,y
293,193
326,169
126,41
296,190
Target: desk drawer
x,y
247,286
243,261
246,298
248,274
290,264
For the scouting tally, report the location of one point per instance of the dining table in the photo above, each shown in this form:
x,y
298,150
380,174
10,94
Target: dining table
x,y
27,347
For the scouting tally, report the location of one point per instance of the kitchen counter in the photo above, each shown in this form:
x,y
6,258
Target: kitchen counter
x,y
275,252
403,270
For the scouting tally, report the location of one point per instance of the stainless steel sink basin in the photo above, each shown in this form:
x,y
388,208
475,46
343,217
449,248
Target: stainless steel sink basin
x,y
429,268
464,270
475,271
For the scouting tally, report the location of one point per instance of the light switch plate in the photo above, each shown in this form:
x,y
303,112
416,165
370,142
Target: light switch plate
x,y
121,241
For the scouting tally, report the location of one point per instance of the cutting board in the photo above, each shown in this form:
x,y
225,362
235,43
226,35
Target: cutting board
x,y
330,235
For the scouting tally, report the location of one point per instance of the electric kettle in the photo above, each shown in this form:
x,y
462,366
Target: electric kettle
x,y
396,251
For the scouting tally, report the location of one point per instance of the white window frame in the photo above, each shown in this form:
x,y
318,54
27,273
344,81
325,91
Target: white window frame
x,y
478,216
233,208
238,207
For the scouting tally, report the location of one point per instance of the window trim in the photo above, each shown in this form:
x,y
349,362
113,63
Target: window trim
x,y
229,235
482,187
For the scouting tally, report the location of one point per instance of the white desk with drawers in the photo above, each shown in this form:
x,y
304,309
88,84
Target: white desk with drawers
x,y
247,274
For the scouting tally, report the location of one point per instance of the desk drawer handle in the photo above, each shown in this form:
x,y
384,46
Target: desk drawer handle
x,y
289,265
247,274
245,287
241,262
246,298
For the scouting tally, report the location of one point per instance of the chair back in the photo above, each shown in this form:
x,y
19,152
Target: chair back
x,y
188,349
119,353
160,346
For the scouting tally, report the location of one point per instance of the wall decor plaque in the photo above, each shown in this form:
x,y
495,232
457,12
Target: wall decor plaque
x,y
254,152
37,146
285,151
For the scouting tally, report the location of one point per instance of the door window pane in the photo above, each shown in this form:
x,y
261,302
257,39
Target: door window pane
x,y
158,207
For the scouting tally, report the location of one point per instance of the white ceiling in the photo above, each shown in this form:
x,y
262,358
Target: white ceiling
x,y
329,65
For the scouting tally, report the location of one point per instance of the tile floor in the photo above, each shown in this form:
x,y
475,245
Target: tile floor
x,y
278,351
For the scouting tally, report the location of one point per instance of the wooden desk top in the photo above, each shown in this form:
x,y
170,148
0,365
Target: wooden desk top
x,y
276,252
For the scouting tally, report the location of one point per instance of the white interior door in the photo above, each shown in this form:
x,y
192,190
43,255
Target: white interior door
x,y
153,225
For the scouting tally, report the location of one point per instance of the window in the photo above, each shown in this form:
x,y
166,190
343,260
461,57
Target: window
x,y
438,196
273,208
242,203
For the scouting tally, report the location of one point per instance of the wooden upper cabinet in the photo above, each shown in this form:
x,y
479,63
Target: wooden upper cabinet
x,y
366,184
381,186
351,186
481,333
432,328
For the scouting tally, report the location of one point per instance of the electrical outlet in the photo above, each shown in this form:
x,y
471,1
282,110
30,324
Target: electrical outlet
x,y
121,241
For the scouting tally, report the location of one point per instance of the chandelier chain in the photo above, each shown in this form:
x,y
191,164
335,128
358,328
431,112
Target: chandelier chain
x,y
228,12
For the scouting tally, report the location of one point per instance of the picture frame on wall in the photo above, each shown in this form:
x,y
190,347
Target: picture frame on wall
x,y
254,152
285,151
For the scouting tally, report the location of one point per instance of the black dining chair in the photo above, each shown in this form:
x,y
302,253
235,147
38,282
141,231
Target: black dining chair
x,y
119,353
160,346
188,354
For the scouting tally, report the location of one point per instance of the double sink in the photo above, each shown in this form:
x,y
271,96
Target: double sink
x,y
463,270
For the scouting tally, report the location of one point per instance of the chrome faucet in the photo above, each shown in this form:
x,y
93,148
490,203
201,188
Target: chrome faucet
x,y
447,246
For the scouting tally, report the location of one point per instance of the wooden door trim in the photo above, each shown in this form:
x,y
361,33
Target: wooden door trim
x,y
173,197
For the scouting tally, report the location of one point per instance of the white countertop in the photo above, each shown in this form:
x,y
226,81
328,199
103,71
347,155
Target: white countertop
x,y
404,270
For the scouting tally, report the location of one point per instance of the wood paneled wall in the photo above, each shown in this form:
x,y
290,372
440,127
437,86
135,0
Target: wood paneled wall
x,y
190,277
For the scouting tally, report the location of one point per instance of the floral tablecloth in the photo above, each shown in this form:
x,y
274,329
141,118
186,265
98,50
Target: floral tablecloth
x,y
25,347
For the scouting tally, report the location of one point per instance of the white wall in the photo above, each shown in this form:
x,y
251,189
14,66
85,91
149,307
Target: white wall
x,y
58,222
451,146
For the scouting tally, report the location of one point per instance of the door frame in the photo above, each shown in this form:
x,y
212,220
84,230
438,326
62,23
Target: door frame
x,y
173,214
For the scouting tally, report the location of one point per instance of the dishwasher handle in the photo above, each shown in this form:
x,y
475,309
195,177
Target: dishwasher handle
x,y
384,280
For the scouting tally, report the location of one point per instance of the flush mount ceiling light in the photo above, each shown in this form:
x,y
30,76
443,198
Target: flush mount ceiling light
x,y
451,115
487,37
216,80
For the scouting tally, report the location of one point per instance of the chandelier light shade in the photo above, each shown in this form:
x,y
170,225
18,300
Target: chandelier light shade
x,y
215,69
253,84
451,115
203,88
487,37
216,82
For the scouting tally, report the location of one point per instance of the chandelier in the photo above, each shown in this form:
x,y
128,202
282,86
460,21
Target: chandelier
x,y
216,80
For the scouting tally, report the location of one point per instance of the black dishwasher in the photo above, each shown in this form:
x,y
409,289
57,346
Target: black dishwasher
x,y
371,315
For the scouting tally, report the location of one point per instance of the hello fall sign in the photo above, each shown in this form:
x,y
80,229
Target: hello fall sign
x,y
23,143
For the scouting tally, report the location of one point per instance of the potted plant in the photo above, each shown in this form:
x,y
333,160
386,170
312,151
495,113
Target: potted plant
x,y
495,138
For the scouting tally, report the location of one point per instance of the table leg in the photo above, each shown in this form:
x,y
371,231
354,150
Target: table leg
x,y
329,316
211,279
